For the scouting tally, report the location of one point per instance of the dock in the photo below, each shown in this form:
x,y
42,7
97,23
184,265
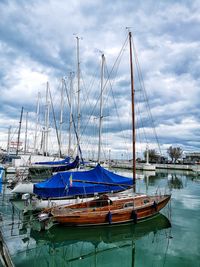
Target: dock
x,y
141,166
4,253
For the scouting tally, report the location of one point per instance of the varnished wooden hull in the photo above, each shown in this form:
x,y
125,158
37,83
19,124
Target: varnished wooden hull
x,y
111,214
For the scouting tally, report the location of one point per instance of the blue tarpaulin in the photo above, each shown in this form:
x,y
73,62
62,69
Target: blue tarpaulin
x,y
97,180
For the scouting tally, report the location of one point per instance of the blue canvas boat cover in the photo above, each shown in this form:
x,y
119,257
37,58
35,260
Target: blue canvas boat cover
x,y
80,183
59,162
67,166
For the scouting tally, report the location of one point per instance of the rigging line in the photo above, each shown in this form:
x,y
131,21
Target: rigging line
x,y
116,107
142,123
67,85
141,119
85,95
108,75
140,81
104,153
58,139
90,86
125,43
138,132
112,92
74,124
116,61
91,106
145,94
12,136
86,99
73,121
55,97
72,101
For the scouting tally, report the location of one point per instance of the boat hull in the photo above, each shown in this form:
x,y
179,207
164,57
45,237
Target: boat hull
x,y
109,214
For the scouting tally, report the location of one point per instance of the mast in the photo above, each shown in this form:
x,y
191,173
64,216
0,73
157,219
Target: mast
x,y
133,111
101,109
46,128
8,143
47,121
147,154
25,142
61,114
19,131
70,115
37,121
78,91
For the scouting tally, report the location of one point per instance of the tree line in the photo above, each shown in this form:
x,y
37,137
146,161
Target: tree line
x,y
174,154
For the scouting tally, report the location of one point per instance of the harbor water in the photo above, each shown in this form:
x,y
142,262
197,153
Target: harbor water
x,y
171,239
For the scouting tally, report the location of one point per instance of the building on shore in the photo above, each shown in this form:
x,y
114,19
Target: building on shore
x,y
192,158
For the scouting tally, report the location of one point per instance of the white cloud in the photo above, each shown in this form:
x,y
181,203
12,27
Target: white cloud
x,y
37,45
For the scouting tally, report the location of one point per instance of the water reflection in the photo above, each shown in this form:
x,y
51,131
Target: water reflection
x,y
146,244
165,180
65,246
175,182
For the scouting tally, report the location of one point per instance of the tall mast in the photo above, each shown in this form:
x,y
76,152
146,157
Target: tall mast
x,y
37,121
133,111
101,109
61,115
46,133
78,91
25,142
8,144
147,154
70,115
19,131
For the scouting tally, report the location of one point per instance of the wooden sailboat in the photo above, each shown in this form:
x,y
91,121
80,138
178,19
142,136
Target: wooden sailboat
x,y
112,209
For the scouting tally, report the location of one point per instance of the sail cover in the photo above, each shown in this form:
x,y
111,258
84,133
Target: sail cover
x,y
67,166
80,183
59,162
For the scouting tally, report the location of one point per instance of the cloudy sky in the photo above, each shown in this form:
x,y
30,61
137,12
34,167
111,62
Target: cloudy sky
x,y
38,44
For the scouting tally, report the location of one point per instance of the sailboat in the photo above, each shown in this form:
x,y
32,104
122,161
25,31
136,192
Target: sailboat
x,y
109,209
58,189
46,169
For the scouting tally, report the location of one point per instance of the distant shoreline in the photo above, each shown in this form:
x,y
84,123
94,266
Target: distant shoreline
x,y
140,166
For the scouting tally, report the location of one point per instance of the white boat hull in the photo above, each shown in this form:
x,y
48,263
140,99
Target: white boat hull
x,y
149,167
23,188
